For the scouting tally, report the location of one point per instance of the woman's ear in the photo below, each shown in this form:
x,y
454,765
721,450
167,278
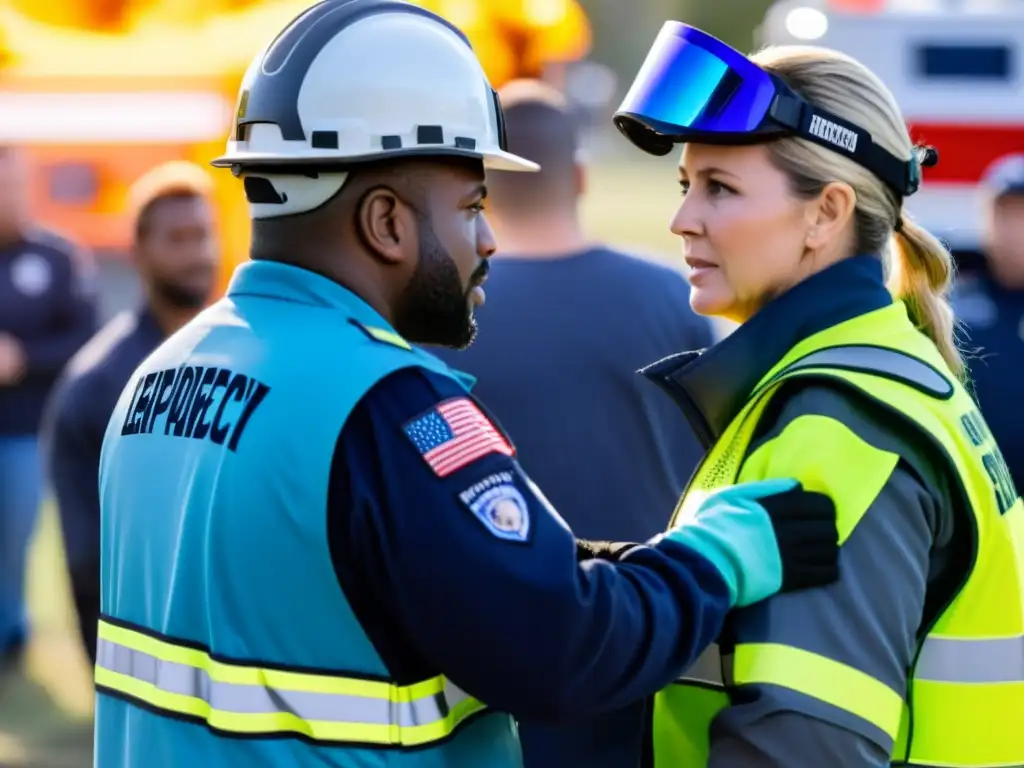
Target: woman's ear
x,y
830,214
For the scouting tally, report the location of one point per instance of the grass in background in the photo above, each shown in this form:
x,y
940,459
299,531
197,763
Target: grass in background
x,y
630,203
45,710
56,660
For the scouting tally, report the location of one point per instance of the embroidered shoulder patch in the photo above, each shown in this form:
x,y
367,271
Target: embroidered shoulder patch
x,y
500,506
453,434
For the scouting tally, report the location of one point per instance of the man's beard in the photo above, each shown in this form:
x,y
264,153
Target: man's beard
x,y
435,308
178,296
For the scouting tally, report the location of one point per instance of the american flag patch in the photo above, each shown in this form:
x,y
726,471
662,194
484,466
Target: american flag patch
x,y
454,434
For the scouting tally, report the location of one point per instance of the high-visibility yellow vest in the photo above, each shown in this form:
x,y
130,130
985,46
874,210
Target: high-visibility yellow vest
x,y
964,704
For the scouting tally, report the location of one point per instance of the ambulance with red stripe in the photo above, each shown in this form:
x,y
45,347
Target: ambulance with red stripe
x,y
957,71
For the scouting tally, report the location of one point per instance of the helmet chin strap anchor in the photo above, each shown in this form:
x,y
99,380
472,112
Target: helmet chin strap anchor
x,y
276,195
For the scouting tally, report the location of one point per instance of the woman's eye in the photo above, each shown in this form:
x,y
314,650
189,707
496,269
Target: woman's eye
x,y
716,188
713,188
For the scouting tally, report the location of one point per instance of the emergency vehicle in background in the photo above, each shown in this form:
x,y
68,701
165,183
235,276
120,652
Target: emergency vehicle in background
x,y
99,91
957,71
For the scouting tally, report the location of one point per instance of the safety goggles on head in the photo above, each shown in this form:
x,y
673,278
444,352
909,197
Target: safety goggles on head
x,y
694,88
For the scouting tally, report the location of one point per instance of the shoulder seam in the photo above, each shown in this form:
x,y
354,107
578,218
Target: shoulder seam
x,y
382,335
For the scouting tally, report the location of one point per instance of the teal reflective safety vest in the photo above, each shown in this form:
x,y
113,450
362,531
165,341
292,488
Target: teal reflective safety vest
x,y
225,639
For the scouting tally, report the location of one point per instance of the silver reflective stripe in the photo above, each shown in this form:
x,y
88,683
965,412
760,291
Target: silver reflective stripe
x,y
950,660
708,668
234,698
879,360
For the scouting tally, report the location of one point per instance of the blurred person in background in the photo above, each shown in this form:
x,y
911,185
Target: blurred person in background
x,y
567,325
989,303
174,251
559,304
47,311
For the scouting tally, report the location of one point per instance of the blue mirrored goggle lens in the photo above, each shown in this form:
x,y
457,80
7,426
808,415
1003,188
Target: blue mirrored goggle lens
x,y
693,82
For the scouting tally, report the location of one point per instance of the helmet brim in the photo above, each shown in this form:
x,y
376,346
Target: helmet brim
x,y
496,159
500,160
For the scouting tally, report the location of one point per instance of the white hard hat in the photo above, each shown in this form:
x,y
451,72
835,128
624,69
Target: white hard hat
x,y
351,81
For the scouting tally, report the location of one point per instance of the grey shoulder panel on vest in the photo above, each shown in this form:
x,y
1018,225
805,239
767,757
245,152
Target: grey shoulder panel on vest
x,y
889,363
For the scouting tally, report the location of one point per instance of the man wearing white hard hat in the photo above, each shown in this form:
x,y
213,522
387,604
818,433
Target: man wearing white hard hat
x,y
317,547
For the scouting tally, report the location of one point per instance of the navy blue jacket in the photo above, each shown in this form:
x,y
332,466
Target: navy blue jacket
x,y
76,418
47,302
993,325
571,639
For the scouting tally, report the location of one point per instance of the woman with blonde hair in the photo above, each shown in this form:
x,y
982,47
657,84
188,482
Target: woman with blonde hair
x,y
844,373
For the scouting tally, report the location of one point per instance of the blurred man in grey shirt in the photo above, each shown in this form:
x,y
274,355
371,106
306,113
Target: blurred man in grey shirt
x,y
566,326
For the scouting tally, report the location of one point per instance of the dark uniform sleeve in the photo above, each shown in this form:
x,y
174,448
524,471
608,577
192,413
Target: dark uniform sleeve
x,y
75,317
867,621
72,436
445,581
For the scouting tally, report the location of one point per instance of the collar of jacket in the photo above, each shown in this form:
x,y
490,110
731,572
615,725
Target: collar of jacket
x,y
711,386
285,282
275,280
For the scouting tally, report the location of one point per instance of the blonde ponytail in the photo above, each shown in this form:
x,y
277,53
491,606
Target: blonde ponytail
x,y
919,268
921,274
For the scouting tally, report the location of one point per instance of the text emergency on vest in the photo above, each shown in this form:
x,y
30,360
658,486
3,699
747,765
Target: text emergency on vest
x,y
195,402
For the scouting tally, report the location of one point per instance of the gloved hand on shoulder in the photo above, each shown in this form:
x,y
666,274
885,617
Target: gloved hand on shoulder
x,y
765,537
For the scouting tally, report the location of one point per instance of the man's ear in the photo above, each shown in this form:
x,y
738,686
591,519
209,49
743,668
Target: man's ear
x,y
830,213
385,225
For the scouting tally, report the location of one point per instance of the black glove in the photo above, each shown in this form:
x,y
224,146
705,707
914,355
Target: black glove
x,y
612,551
805,529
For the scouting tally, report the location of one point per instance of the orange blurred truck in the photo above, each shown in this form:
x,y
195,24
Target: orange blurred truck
x,y
98,91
